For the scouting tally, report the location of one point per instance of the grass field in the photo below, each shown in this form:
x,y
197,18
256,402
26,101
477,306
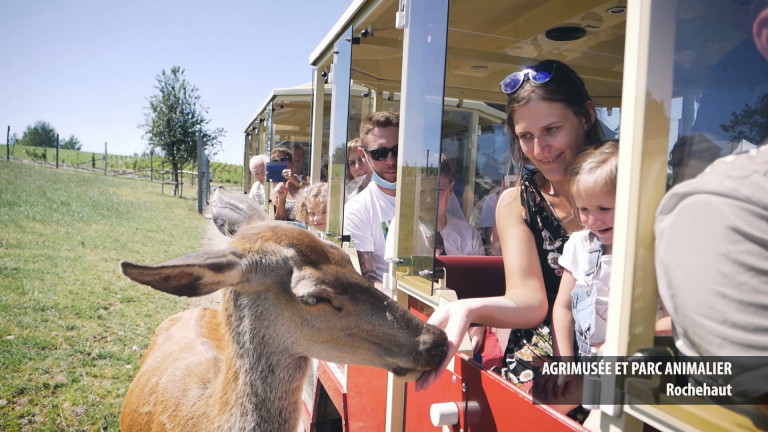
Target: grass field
x,y
72,328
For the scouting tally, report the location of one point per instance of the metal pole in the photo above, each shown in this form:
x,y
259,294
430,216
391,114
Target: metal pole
x,y
151,165
200,174
8,144
105,158
57,151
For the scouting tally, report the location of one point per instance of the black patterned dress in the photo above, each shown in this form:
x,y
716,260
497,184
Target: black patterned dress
x,y
527,348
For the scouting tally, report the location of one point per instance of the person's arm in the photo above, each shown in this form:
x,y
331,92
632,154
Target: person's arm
x,y
524,304
562,317
357,225
368,265
281,192
293,179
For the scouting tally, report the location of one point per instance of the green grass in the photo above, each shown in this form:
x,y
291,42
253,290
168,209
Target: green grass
x,y
72,328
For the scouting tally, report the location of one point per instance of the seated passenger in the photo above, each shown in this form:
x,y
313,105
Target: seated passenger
x,y
311,206
455,236
367,216
581,306
283,194
258,166
458,236
358,172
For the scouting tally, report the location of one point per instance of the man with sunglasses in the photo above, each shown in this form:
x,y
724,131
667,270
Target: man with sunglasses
x,y
367,216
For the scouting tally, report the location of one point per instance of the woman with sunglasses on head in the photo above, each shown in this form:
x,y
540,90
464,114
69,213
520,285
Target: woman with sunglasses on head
x,y
283,195
551,118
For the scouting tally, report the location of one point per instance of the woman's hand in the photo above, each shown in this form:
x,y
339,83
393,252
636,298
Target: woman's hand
x,y
454,319
477,337
281,189
292,178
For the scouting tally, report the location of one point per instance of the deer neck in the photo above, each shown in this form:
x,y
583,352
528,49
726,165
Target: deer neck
x,y
263,377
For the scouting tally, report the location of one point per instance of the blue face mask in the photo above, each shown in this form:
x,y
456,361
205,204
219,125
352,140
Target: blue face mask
x,y
381,182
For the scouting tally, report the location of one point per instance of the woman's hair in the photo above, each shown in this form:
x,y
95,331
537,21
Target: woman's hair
x,y
282,152
564,86
594,171
352,147
315,193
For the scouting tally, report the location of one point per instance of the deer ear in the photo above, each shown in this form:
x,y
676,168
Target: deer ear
x,y
192,275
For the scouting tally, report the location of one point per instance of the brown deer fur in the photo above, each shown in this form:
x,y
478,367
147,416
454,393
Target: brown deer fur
x,y
288,296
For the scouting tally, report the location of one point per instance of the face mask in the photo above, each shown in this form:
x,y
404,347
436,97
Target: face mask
x,y
381,182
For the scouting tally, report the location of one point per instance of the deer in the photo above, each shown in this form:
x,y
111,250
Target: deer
x,y
288,296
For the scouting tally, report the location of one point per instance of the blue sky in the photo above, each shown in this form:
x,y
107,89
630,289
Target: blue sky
x,y
87,67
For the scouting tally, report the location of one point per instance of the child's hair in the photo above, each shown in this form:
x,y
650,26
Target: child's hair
x,y
594,170
316,193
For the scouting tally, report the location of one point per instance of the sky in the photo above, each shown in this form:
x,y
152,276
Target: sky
x,y
88,67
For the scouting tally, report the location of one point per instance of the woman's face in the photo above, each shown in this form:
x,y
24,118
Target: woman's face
x,y
550,136
357,166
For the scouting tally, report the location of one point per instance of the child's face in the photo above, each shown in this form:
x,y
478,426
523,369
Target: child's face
x,y
316,211
596,212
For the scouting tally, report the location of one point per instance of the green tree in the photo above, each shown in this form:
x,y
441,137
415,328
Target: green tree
x,y
751,123
175,117
41,134
72,143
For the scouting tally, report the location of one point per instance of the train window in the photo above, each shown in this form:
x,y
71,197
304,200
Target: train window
x,y
713,114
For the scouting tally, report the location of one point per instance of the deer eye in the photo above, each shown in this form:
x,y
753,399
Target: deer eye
x,y
311,300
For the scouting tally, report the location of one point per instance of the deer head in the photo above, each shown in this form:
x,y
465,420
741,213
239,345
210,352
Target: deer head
x,y
303,295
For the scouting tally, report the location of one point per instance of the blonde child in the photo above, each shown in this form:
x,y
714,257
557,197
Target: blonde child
x,y
312,205
581,307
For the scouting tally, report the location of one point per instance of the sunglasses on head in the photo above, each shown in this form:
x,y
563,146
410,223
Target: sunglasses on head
x,y
282,159
539,75
381,153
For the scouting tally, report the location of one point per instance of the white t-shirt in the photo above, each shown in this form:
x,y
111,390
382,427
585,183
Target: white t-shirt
x,y
461,238
257,193
575,259
366,220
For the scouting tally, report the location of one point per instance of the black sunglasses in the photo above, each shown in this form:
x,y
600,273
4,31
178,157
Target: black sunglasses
x,y
381,153
282,159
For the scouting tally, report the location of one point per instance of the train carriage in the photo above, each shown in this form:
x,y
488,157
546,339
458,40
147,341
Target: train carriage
x,y
657,71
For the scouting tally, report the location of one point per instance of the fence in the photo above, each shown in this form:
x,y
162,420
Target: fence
x,y
151,168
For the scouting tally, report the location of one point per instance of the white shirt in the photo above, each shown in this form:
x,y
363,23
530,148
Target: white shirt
x,y
461,238
366,220
257,193
575,259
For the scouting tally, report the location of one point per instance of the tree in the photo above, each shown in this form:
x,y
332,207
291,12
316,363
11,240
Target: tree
x,y
751,123
72,143
175,117
41,134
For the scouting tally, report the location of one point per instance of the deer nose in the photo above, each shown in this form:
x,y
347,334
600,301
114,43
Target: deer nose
x,y
436,346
